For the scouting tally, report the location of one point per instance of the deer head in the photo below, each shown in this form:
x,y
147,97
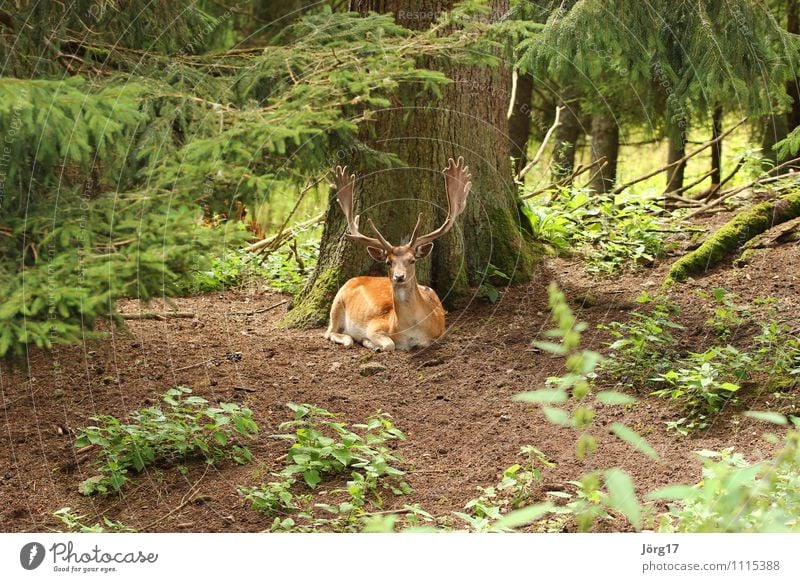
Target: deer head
x,y
401,259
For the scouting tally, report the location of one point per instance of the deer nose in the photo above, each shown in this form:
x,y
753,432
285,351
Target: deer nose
x,y
399,278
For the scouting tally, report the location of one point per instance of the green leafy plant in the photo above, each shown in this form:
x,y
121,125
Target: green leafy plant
x,y
324,447
187,427
75,523
612,234
490,277
700,388
728,316
512,492
287,271
642,346
738,496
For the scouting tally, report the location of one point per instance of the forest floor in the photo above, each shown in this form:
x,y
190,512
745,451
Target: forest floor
x,y
452,400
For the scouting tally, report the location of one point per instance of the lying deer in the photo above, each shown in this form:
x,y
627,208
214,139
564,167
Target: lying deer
x,y
394,313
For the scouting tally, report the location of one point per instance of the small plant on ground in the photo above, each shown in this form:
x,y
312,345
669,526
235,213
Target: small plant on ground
x,y
512,492
613,489
75,523
323,447
612,234
490,276
644,346
738,496
187,427
728,316
700,387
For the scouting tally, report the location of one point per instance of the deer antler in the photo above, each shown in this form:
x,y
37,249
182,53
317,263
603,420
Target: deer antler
x,y
344,196
457,181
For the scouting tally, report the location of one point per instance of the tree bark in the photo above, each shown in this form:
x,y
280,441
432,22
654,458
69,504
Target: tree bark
x,y
605,143
677,149
716,149
519,124
774,130
793,85
470,121
567,135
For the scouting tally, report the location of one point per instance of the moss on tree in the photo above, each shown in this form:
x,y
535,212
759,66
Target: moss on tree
x,y
733,235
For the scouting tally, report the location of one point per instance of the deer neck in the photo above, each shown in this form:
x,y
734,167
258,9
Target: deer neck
x,y
409,304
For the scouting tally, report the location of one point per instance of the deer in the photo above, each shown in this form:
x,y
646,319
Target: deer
x,y
394,312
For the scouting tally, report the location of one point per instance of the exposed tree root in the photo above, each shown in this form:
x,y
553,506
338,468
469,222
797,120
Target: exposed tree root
x,y
733,236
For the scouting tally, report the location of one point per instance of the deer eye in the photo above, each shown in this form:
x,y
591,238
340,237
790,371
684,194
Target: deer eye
x,y
413,261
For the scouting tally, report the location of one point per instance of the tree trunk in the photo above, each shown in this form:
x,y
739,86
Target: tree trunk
x,y
605,143
774,131
567,135
793,85
716,149
519,124
470,121
677,149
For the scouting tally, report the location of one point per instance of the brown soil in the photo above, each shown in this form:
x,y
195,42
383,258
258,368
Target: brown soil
x,y
452,400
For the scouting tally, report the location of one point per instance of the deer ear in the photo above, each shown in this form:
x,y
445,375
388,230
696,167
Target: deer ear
x,y
376,253
423,251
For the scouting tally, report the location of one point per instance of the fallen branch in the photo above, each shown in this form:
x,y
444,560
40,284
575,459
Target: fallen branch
x,y
569,179
261,310
744,226
540,151
189,367
773,236
688,156
160,316
734,191
278,239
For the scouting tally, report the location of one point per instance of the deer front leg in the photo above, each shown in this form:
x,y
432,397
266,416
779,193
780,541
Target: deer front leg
x,y
379,342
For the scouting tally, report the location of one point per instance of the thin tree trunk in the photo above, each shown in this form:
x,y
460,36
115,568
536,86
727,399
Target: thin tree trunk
x,y
605,143
793,85
677,149
567,135
424,137
716,149
774,130
519,124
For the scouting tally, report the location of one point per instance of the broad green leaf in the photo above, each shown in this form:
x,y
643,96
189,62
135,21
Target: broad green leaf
x,y
613,397
557,416
622,496
634,439
543,396
677,492
524,516
766,416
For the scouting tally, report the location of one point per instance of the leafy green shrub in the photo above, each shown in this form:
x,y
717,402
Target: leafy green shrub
x,y
512,492
642,347
323,447
728,316
188,428
285,271
738,496
700,387
612,234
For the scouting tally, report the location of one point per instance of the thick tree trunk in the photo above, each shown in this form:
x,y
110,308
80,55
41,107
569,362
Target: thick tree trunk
x,y
519,124
605,143
677,149
470,121
716,149
567,135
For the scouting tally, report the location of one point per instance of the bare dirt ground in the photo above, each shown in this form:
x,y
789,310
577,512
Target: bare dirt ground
x,y
453,400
